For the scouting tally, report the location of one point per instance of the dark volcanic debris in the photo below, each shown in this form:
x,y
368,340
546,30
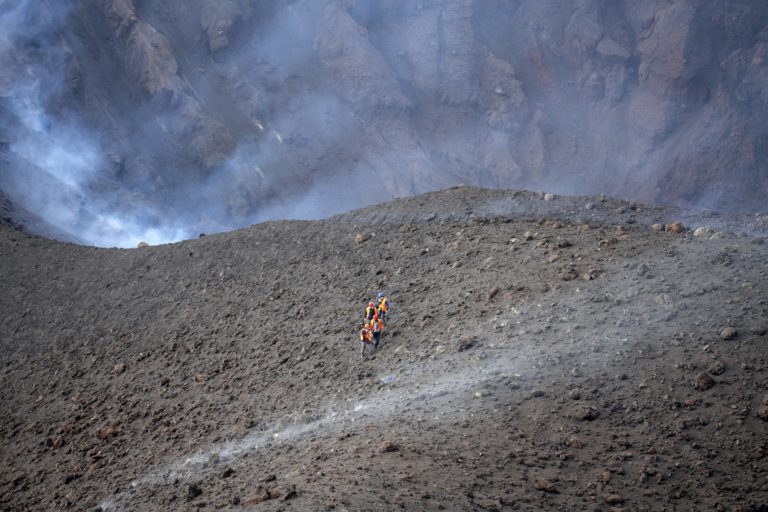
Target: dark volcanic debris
x,y
223,372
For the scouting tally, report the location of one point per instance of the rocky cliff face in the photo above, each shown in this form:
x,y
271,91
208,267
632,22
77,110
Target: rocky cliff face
x,y
170,117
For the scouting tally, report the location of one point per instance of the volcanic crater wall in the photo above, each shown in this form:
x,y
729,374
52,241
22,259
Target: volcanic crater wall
x,y
164,118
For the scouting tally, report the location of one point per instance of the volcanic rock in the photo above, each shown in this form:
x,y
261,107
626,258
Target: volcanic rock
x,y
542,484
585,413
703,381
716,368
728,333
193,491
675,228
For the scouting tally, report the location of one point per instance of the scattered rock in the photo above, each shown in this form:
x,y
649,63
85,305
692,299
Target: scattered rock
x,y
703,232
614,499
290,493
575,394
644,271
492,293
656,228
703,381
360,238
675,228
716,368
490,504
728,333
576,442
70,477
142,245
466,342
549,197
106,432
388,447
201,377
260,496
585,413
193,491
55,442
118,369
543,484
620,231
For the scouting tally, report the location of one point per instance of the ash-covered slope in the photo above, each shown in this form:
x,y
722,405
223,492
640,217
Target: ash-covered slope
x,y
197,116
532,363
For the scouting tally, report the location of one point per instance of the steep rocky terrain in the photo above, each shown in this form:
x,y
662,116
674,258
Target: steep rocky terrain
x,y
544,353
197,116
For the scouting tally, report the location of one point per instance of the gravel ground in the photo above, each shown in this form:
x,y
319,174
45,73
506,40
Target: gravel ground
x,y
544,353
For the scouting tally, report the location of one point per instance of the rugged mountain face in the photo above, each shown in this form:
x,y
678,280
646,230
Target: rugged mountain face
x,y
200,115
544,360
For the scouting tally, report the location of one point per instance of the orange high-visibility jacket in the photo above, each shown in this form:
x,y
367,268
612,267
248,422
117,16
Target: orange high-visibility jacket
x,y
376,325
384,305
366,335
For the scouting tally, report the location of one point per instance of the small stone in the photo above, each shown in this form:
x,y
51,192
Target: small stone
x,y
118,369
703,381
491,504
656,228
259,496
585,413
575,442
675,228
193,491
589,206
549,197
614,499
388,447
620,231
290,493
728,333
762,413
56,442
106,432
466,342
703,232
575,394
360,238
716,368
543,484
142,245
201,377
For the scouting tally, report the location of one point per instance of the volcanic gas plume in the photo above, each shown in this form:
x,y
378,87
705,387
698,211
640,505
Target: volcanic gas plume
x,y
127,120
